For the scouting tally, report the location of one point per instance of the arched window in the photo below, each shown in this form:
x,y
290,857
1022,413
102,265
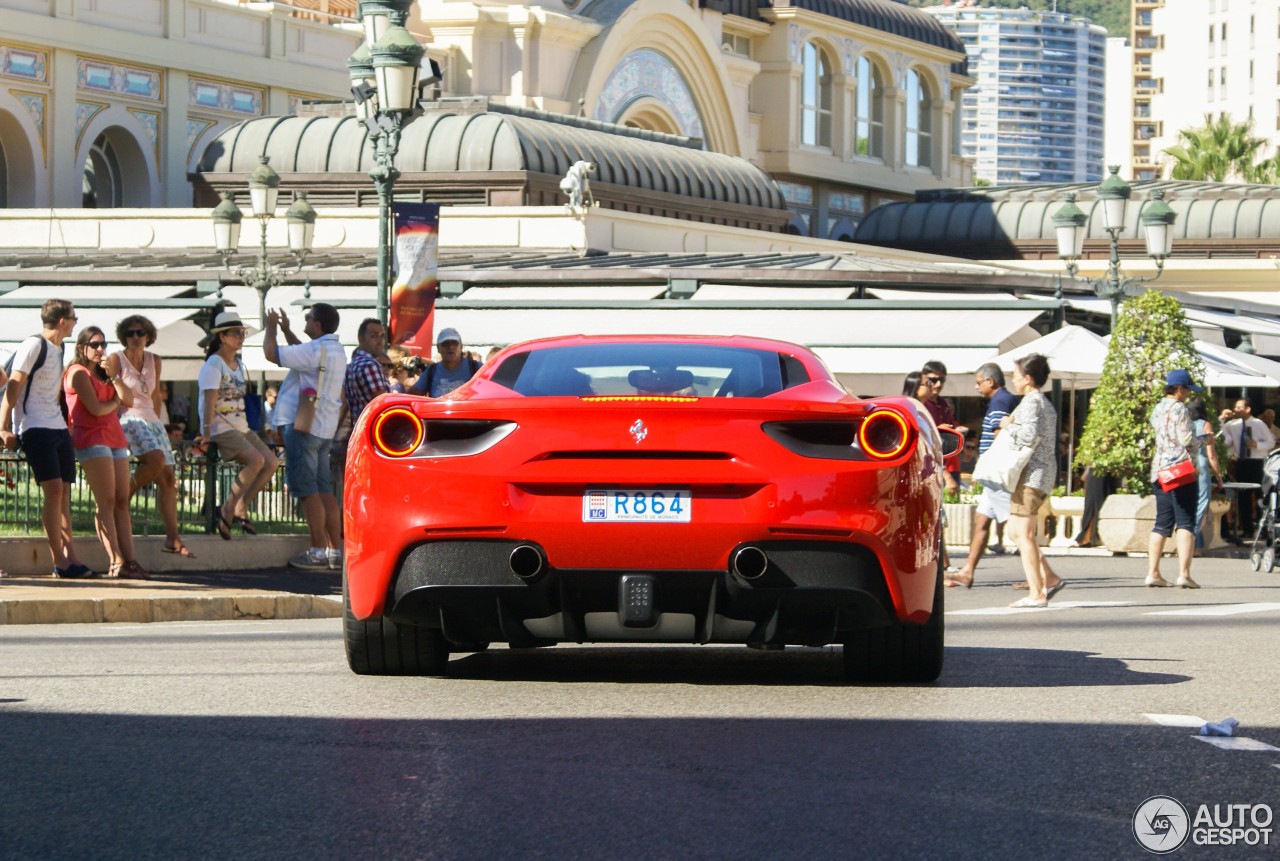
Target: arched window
x,y
4,179
919,130
869,133
815,97
102,187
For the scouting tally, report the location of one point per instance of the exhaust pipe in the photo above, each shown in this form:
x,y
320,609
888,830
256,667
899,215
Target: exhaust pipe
x,y
525,561
750,563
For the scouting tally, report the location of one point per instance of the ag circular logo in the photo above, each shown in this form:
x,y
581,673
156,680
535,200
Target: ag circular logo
x,y
1161,824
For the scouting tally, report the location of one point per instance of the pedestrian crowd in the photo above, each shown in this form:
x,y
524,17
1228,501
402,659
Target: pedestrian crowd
x,y
109,404
1184,469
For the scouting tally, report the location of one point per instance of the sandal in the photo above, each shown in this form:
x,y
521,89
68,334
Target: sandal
x,y
952,582
1029,602
178,549
131,570
246,524
113,571
224,527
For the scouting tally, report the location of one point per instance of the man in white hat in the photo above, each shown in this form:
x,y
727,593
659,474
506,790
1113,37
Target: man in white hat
x,y
453,369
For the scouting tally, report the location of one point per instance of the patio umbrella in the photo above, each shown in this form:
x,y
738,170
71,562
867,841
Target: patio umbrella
x,y
1075,357
1228,368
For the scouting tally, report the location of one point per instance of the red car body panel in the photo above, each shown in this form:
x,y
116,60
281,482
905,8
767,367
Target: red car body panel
x,y
746,486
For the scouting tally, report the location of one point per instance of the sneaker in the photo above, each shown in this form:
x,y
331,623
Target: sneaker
x,y
75,572
335,558
310,558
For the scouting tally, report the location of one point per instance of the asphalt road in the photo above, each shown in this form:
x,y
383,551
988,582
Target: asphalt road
x,y
253,740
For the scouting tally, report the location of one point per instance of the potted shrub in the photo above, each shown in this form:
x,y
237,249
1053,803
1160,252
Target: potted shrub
x,y
1151,338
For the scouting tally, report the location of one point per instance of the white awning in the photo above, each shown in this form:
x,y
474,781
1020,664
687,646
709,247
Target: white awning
x,y
177,336
746,293
869,350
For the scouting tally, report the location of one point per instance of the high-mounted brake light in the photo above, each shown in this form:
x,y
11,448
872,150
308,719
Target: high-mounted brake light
x,y
884,434
679,399
398,432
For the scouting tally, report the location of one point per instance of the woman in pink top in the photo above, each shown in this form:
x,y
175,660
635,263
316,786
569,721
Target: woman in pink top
x,y
101,449
148,440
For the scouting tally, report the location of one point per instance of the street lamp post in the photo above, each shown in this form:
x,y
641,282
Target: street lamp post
x,y
1157,222
262,275
384,72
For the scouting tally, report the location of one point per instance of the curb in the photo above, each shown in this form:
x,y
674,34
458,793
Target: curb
x,y
167,608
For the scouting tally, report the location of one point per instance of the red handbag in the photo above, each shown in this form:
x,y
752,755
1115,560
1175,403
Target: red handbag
x,y
1182,472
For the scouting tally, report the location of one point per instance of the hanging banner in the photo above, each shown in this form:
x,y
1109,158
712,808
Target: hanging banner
x,y
413,293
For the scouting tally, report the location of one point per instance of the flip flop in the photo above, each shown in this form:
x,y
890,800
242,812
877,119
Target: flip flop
x,y
246,524
1055,590
178,549
951,583
224,528
1029,602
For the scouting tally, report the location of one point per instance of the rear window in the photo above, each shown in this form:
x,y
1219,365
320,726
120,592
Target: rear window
x,y
700,370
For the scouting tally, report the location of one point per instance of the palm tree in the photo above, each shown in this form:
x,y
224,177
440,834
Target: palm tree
x,y
1220,150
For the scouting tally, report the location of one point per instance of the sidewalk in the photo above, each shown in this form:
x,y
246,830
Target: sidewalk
x,y
227,581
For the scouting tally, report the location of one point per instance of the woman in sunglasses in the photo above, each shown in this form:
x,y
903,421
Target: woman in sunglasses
x,y
148,440
223,421
93,397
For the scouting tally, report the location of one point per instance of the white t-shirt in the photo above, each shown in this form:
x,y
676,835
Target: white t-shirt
x,y
228,403
303,360
41,391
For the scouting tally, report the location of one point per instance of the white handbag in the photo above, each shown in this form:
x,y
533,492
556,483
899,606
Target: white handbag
x,y
1001,465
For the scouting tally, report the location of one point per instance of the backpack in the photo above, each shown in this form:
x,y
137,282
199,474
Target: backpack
x,y
37,365
423,385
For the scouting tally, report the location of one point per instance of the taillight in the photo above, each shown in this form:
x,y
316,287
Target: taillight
x,y
884,434
398,432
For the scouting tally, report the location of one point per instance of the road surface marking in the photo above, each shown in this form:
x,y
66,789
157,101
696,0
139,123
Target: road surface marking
x,y
1053,605
1190,721
1219,610
1236,743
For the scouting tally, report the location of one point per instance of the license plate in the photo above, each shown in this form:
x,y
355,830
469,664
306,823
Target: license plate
x,y
633,505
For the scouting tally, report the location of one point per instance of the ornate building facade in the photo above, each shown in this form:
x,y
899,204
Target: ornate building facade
x,y
110,103
845,103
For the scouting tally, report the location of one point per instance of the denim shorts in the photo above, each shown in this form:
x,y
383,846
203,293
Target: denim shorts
x,y
49,453
83,454
306,463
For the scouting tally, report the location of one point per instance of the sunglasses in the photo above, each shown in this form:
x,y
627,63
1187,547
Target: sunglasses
x,y
935,381
135,333
235,333
96,345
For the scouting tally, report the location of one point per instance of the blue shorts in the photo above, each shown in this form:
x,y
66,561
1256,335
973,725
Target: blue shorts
x,y
306,463
1175,509
83,454
49,453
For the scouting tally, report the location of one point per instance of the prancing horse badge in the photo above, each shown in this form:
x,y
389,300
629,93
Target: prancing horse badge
x,y
639,431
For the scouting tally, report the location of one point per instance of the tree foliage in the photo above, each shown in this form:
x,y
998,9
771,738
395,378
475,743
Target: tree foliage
x,y
1112,14
1222,150
1151,338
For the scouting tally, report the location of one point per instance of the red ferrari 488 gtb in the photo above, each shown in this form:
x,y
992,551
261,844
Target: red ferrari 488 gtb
x,y
645,489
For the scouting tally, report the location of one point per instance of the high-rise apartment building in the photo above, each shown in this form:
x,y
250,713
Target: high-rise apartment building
x,y
1208,57
1036,112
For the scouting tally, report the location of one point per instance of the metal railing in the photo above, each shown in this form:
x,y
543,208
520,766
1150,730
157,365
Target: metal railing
x,y
203,479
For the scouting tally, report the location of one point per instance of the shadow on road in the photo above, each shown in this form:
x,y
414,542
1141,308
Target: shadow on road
x,y
710,665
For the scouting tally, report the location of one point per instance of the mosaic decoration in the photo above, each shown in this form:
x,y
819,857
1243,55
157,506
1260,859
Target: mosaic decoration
x,y
85,111
24,63
34,103
131,81
646,73
214,95
196,128
150,123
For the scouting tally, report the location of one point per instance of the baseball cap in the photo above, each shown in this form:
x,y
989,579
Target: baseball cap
x,y
448,335
1180,377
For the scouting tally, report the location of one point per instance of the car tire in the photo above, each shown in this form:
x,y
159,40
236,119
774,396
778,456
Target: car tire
x,y
380,647
900,652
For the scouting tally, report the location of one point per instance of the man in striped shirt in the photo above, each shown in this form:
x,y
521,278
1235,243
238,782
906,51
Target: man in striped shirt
x,y
993,504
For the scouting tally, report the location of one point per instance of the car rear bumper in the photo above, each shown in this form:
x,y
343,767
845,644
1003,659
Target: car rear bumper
x,y
810,592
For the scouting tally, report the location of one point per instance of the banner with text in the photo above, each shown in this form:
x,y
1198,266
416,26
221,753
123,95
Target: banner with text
x,y
413,293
